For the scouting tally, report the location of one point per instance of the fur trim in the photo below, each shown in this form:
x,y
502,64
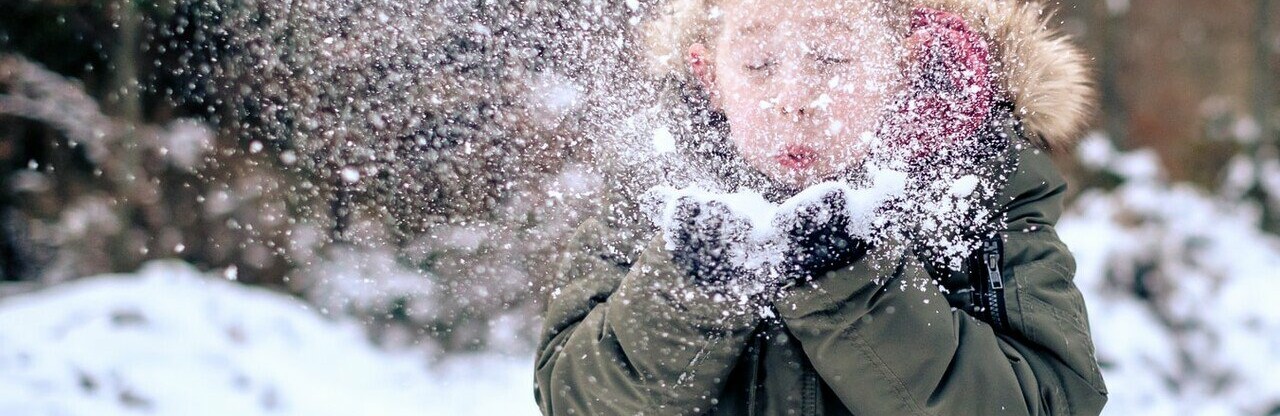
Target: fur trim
x,y
1046,76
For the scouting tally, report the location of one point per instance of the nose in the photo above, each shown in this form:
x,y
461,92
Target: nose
x,y
799,111
797,96
798,105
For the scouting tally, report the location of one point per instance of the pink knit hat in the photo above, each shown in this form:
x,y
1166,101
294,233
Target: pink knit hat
x,y
950,92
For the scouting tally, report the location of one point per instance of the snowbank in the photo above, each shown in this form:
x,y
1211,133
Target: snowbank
x,y
172,341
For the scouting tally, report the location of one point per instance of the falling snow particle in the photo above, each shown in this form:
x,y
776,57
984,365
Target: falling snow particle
x,y
663,140
821,102
350,174
964,186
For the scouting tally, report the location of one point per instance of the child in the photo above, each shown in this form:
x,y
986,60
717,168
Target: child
x,y
1006,332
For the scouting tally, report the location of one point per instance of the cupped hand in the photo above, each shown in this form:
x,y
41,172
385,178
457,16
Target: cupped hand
x,y
709,240
818,235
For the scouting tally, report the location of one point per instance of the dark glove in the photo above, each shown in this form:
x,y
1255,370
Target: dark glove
x,y
818,237
707,237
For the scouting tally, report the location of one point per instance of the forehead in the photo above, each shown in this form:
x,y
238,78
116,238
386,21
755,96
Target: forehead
x,y
750,17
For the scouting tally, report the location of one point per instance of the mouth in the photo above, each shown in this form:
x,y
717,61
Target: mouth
x,y
796,157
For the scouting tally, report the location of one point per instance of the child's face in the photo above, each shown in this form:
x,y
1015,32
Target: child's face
x,y
802,83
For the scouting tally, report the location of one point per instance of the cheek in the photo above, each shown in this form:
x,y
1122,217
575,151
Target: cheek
x,y
859,104
855,113
749,132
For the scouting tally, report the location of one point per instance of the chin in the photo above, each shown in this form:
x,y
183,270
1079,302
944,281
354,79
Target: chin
x,y
799,180
808,181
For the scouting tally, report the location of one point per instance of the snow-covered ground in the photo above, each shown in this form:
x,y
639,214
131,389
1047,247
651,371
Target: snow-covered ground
x,y
169,340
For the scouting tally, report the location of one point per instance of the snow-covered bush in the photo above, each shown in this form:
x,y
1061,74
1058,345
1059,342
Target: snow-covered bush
x,y
1179,286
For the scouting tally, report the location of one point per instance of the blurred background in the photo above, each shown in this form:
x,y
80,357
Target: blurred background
x,y
348,207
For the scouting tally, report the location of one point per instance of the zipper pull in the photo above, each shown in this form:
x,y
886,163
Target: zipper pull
x,y
992,257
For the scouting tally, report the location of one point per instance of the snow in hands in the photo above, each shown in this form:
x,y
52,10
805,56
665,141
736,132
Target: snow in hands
x,y
761,227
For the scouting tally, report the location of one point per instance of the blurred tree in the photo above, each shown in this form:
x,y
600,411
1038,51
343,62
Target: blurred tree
x,y
1185,78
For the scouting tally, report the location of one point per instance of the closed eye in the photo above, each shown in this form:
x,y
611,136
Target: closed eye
x,y
760,66
832,60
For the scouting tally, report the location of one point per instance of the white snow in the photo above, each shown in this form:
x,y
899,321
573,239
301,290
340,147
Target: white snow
x,y
663,140
1117,7
551,97
169,340
1095,151
350,174
747,204
822,102
764,217
185,143
964,186
834,127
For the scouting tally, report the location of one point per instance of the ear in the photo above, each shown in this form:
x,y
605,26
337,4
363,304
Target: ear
x,y
703,68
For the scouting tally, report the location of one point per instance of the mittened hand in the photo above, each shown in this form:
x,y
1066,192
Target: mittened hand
x,y
818,237
707,237
949,92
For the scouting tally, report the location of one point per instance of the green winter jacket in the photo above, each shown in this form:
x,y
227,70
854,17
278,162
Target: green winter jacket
x,y
624,337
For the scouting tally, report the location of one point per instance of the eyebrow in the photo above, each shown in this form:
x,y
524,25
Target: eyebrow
x,y
756,26
829,21
751,28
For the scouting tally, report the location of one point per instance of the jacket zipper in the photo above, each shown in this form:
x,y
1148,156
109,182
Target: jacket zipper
x,y
757,344
991,294
810,405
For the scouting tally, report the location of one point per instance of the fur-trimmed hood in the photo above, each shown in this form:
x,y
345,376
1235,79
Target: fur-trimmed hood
x,y
1038,68
1046,77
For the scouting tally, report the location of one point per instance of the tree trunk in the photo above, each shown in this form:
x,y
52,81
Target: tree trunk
x,y
125,97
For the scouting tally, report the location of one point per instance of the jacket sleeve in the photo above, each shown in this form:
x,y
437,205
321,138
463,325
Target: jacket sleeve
x,y
886,341
634,339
